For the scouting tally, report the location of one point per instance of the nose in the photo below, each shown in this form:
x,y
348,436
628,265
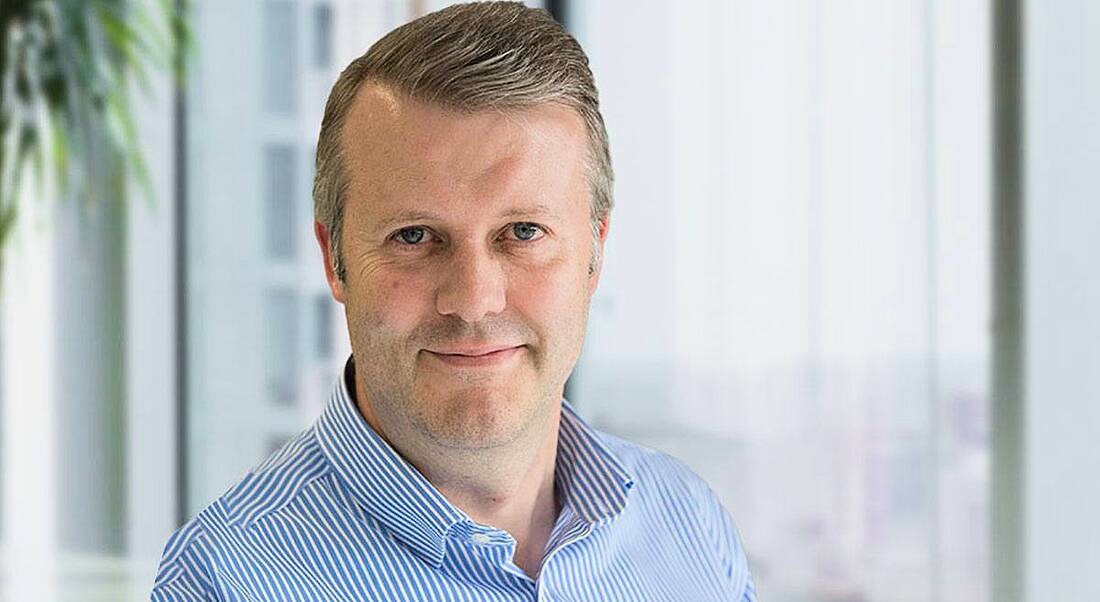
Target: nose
x,y
472,287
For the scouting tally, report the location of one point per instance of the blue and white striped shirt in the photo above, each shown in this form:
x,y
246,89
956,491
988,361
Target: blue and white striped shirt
x,y
337,514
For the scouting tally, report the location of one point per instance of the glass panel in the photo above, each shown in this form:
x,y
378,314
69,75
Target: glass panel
x,y
254,369
279,52
322,312
280,190
322,35
281,365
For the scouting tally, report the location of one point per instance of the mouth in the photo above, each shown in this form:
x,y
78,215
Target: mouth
x,y
476,357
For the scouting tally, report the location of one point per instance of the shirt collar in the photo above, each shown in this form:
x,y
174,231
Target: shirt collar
x,y
591,480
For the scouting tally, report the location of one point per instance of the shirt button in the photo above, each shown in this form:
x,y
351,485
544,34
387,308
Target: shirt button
x,y
480,538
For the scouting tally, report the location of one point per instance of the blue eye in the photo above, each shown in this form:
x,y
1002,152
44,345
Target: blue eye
x,y
525,230
410,236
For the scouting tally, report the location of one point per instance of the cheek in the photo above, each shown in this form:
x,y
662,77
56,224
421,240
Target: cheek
x,y
553,299
395,302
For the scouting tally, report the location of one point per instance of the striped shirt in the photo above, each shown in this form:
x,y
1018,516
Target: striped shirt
x,y
338,514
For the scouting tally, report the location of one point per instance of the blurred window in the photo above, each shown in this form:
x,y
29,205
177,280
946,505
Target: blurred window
x,y
322,35
280,192
281,333
322,313
279,51
802,227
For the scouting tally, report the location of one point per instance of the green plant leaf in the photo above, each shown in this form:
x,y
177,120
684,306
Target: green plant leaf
x,y
70,67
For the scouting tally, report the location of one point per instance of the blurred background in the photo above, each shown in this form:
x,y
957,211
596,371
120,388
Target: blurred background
x,y
851,278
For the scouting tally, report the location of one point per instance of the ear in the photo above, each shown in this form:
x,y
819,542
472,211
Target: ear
x,y
334,283
594,276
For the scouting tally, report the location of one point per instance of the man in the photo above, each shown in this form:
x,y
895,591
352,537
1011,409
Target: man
x,y
462,201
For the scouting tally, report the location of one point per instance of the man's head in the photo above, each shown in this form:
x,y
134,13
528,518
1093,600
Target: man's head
x,y
488,56
462,197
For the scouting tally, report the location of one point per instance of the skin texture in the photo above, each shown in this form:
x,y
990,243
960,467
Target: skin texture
x,y
437,265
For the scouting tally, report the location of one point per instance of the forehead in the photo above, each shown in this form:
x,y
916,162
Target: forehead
x,y
396,148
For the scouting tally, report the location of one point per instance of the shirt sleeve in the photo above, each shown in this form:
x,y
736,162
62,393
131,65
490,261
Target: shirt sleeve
x,y
750,591
183,574
730,549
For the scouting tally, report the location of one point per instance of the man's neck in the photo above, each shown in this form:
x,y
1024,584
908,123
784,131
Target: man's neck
x,y
526,507
510,488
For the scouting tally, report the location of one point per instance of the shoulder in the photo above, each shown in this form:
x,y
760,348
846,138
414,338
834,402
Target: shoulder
x,y
668,482
276,481
665,484
184,572
656,468
186,569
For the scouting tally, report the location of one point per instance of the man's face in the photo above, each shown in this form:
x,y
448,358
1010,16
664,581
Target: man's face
x,y
467,241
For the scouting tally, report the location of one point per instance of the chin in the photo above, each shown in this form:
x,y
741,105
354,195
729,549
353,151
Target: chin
x,y
479,419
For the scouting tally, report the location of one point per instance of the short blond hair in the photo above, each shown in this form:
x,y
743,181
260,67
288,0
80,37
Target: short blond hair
x,y
468,57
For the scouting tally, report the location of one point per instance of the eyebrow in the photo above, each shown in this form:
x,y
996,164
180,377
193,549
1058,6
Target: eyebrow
x,y
406,217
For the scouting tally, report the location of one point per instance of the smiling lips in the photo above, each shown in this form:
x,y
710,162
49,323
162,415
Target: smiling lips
x,y
476,357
